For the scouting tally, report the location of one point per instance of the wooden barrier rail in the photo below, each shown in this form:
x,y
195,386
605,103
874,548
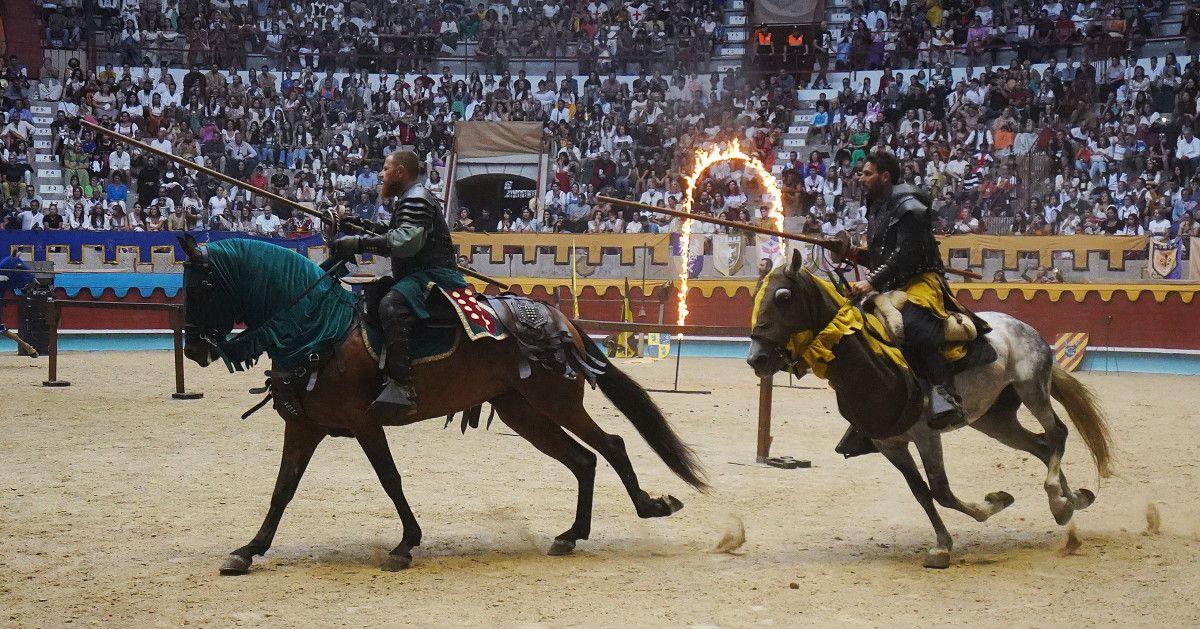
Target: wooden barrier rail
x,y
174,314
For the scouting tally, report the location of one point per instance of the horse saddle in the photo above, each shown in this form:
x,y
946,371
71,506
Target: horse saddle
x,y
961,329
442,315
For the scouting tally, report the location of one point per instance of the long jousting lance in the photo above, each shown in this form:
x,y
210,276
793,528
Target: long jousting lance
x,y
838,247
295,205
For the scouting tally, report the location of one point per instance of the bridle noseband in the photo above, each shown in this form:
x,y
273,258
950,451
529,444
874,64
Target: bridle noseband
x,y
202,279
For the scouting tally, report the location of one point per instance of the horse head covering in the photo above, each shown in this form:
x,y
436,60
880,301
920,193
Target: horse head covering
x,y
275,292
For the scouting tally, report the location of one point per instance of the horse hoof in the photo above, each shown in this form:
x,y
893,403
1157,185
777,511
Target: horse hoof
x,y
672,503
938,558
1062,510
235,565
561,547
396,563
1002,498
1084,498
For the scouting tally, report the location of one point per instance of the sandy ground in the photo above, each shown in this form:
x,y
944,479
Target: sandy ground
x,y
118,504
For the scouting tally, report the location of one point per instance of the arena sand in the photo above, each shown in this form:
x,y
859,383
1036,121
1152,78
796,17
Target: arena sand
x,y
118,504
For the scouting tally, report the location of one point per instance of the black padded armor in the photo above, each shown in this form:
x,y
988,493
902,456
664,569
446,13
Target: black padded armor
x,y
417,206
900,242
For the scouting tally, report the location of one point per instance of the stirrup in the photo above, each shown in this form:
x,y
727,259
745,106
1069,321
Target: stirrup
x,y
395,399
854,443
945,410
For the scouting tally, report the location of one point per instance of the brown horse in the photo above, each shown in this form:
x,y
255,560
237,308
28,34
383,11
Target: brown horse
x,y
541,407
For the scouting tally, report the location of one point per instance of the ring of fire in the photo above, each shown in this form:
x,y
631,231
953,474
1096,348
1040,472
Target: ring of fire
x,y
703,161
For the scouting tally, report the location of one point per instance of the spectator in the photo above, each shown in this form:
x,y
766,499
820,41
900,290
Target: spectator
x,y
31,217
267,224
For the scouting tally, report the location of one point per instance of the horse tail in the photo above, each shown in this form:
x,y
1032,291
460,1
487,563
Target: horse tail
x,y
635,403
1086,415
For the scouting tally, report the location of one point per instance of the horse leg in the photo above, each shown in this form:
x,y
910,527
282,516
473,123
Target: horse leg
x,y
929,446
374,444
612,448
300,440
1063,502
896,451
1000,423
553,441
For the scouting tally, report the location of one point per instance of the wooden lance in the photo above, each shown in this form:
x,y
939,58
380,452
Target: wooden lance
x,y
840,247
295,205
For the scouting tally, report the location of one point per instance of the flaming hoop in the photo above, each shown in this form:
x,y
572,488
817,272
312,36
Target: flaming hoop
x,y
703,161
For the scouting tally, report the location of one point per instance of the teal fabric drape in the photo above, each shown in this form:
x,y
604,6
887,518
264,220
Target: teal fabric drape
x,y
256,280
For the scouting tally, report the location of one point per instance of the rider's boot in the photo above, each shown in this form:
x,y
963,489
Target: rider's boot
x,y
398,396
855,443
945,406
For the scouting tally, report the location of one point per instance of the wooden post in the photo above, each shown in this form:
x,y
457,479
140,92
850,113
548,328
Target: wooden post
x,y
765,386
53,316
175,314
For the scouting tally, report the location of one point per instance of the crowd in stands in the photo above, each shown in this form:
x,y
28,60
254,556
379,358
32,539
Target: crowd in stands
x,y
319,139
922,33
402,37
1077,147
1107,148
639,141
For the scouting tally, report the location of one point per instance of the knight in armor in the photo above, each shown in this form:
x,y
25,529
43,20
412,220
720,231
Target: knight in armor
x,y
418,242
903,255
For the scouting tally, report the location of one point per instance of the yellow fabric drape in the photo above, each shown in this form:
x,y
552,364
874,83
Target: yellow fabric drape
x,y
925,291
817,350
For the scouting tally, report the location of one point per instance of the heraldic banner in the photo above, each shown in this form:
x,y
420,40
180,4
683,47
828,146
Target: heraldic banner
x,y
727,254
1166,258
1069,349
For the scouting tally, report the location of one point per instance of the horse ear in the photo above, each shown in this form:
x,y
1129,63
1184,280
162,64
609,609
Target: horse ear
x,y
797,262
189,245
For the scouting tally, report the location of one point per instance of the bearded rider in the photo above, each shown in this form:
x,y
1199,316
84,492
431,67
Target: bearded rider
x,y
903,255
418,242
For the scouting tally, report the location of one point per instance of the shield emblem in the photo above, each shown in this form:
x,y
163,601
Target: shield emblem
x,y
1069,349
658,345
1164,259
582,268
772,248
727,254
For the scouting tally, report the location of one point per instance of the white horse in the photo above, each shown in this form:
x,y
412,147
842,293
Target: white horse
x,y
874,393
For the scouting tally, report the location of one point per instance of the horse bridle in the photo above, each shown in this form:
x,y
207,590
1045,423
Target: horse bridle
x,y
202,278
779,347
199,263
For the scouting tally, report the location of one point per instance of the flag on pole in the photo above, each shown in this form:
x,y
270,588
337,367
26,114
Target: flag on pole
x,y
624,348
1069,349
574,288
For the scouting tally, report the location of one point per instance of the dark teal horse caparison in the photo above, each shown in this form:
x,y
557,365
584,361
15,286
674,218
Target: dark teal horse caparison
x,y
294,311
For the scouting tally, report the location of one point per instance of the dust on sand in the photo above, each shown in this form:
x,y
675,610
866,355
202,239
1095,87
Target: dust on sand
x,y
118,504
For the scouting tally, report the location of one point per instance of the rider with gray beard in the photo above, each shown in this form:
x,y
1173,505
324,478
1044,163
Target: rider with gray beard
x,y
903,255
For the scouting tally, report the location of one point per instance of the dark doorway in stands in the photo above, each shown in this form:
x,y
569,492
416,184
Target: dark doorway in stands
x,y
496,192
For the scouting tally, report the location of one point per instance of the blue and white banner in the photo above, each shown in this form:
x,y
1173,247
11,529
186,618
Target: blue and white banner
x,y
1166,258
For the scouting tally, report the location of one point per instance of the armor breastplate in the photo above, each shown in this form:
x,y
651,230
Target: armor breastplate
x,y
417,205
882,228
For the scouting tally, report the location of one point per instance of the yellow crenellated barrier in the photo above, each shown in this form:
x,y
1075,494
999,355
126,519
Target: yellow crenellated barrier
x,y
1044,246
